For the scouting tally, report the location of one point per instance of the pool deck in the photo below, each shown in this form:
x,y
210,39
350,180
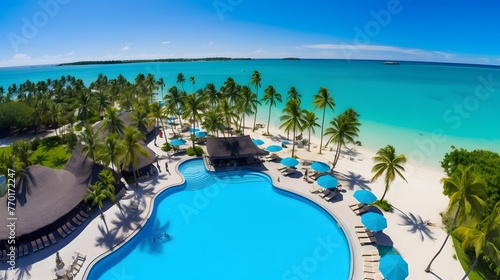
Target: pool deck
x,y
414,230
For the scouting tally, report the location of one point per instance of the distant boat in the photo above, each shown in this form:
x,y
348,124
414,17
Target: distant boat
x,y
391,62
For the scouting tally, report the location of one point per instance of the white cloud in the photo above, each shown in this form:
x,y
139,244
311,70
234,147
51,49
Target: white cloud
x,y
355,47
444,54
21,56
166,42
126,48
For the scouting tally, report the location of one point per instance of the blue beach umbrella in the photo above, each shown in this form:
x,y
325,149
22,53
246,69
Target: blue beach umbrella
x,y
289,161
172,118
258,142
201,134
193,129
364,196
393,267
274,148
327,181
285,142
319,166
177,142
374,221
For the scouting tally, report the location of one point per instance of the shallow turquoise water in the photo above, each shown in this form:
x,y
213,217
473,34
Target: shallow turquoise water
x,y
231,226
401,105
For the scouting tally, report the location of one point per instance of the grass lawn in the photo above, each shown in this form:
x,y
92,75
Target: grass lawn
x,y
53,156
5,149
481,272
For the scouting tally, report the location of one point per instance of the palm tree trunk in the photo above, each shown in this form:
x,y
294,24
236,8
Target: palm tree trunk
x,y
243,130
337,154
471,268
309,141
254,120
385,191
104,219
321,136
192,134
135,178
293,144
428,268
268,119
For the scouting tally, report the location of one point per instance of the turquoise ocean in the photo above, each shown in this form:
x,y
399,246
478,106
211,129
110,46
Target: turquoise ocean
x,y
420,108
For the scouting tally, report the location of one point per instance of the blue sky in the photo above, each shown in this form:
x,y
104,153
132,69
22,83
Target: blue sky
x,y
36,32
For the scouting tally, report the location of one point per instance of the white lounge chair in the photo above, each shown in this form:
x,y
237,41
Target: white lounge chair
x,y
373,276
367,240
364,234
330,196
360,210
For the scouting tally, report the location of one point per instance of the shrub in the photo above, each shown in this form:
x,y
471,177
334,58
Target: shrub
x,y
35,143
93,119
384,205
70,139
78,127
166,147
198,151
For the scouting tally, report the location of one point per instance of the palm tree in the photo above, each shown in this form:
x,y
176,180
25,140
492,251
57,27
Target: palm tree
x,y
228,114
181,79
157,113
84,104
343,130
8,161
212,95
248,103
193,107
175,99
110,150
310,121
22,151
140,118
107,180
482,238
387,162
293,119
192,80
293,93
97,193
467,192
230,91
323,100
131,148
102,101
212,122
255,81
112,122
90,142
271,97
161,83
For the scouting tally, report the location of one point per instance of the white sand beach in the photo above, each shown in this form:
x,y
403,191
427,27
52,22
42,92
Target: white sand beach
x,y
414,229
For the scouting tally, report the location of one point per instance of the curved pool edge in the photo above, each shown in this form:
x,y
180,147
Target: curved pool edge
x,y
275,183
150,208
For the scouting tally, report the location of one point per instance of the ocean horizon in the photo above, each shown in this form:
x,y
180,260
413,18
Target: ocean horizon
x,y
420,108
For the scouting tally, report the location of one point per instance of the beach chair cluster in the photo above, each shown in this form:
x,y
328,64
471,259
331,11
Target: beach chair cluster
x,y
285,171
76,265
359,208
371,259
365,236
315,175
68,228
43,242
326,194
272,157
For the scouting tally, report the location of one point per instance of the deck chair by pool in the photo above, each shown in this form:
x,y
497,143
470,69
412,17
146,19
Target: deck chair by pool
x,y
62,233
367,240
26,249
76,221
364,234
45,240
288,171
331,195
356,206
52,238
360,210
40,244
84,214
373,276
369,252
66,230
81,218
324,193
70,226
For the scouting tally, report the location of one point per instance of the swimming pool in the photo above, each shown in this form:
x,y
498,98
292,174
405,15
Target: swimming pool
x,y
231,225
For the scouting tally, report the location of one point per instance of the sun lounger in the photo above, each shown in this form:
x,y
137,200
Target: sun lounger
x,y
26,249
367,240
19,251
360,210
356,206
373,276
370,269
39,243
45,240
4,255
330,196
81,218
84,214
362,230
288,172
368,259
66,229
70,226
76,221
364,234
369,252
281,169
314,191
324,193
52,238
79,256
62,233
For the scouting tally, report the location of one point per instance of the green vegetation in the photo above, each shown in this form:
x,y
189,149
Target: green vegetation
x,y
386,161
197,151
152,60
52,153
15,116
100,191
384,205
323,100
344,129
473,187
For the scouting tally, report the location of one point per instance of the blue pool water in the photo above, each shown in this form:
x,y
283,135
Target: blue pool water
x,y
231,225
